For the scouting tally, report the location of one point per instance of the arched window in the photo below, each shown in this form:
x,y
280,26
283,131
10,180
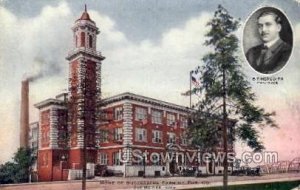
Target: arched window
x,y
82,37
90,41
76,41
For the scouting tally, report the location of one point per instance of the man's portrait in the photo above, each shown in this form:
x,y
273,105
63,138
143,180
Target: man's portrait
x,y
268,40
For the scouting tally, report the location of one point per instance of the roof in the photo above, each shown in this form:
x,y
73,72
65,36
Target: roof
x,y
143,99
118,98
85,15
49,102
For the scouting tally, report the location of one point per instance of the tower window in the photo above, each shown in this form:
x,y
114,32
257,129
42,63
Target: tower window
x,y
76,41
90,41
82,37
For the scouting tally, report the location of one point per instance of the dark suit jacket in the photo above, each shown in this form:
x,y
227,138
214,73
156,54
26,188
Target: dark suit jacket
x,y
275,58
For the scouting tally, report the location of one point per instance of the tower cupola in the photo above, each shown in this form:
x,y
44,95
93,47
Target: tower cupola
x,y
84,34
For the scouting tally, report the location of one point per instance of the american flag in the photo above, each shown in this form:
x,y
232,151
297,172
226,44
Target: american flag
x,y
195,77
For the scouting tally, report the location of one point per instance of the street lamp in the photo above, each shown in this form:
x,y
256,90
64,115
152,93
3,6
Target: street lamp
x,y
63,157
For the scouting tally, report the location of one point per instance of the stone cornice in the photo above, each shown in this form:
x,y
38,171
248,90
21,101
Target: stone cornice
x,y
143,99
49,102
84,52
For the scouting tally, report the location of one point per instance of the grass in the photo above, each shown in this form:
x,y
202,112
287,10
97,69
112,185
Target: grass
x,y
262,186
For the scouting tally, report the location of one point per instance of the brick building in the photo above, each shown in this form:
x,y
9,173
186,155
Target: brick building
x,y
140,125
130,134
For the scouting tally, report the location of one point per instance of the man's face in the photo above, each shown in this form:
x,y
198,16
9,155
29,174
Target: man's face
x,y
268,28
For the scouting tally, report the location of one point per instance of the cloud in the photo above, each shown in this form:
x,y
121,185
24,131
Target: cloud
x,y
140,67
29,46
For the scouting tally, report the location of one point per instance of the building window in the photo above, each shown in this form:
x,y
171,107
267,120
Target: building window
x,y
184,122
90,41
156,117
116,158
141,135
140,114
171,138
34,134
118,113
156,136
171,120
118,134
103,159
103,136
82,39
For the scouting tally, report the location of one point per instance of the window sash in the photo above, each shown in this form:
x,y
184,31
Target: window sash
x,y
140,113
184,122
171,138
156,117
103,159
141,135
157,137
171,119
118,132
116,159
118,113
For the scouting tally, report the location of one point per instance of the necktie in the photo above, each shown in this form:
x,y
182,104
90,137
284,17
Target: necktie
x,y
261,59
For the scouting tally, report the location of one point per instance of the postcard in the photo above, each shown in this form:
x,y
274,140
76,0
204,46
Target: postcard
x,y
135,94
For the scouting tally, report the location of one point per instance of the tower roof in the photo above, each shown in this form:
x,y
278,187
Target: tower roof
x,y
85,15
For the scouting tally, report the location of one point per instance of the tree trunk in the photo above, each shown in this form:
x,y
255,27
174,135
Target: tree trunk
x,y
225,162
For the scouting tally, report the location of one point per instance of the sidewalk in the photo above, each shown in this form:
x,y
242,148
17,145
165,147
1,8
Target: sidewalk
x,y
138,183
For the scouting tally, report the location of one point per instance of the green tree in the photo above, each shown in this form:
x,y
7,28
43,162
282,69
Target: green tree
x,y
226,96
18,170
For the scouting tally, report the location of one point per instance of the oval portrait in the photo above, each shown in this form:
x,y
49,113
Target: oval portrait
x,y
267,40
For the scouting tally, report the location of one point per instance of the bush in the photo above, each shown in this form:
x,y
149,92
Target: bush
x,y
18,170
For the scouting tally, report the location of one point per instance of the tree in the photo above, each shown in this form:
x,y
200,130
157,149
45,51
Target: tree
x,y
18,170
227,96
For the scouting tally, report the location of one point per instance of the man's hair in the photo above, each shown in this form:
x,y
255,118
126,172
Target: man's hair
x,y
276,16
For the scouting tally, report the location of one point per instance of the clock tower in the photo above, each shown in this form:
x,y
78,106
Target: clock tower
x,y
84,90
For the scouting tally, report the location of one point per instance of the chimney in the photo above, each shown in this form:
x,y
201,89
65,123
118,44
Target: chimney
x,y
24,117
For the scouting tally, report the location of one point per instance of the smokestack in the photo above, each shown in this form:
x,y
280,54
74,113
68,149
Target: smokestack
x,y
24,117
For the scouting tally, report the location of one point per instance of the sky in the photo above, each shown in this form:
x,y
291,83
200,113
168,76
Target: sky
x,y
150,48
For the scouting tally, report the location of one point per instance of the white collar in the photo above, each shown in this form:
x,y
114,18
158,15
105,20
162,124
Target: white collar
x,y
270,43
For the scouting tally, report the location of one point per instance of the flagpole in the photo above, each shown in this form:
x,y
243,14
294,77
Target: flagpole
x,y
190,89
